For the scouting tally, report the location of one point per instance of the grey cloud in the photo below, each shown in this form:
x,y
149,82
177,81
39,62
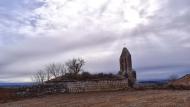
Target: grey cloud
x,y
170,25
157,47
36,49
14,15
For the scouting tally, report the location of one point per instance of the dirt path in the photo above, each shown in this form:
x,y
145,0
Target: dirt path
x,y
148,98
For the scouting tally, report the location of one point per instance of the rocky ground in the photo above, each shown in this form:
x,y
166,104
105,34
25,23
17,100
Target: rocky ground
x,y
146,98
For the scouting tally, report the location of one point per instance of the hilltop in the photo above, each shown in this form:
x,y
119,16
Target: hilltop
x,y
183,81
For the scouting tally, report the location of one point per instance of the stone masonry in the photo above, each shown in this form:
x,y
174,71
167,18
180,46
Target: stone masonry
x,y
126,69
91,86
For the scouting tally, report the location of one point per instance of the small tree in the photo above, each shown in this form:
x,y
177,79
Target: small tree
x,y
48,73
86,75
40,77
75,66
55,70
63,70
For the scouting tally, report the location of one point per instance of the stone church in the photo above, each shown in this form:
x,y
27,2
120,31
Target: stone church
x,y
125,80
126,69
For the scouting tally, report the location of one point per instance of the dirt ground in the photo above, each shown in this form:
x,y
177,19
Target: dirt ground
x,y
147,98
6,94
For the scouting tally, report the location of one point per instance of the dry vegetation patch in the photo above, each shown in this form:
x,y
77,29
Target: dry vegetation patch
x,y
146,98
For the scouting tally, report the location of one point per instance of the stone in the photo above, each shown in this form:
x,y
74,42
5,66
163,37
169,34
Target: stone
x,y
126,69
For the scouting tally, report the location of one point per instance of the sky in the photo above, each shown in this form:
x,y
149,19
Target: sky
x,y
34,33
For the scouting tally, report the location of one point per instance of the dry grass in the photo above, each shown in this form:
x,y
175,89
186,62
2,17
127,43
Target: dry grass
x,y
146,98
7,95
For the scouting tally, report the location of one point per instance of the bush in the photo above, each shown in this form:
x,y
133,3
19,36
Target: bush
x,y
86,75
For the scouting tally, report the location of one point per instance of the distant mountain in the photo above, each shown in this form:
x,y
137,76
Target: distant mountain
x,y
4,84
152,82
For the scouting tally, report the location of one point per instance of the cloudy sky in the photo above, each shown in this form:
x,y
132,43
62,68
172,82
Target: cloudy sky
x,y
34,33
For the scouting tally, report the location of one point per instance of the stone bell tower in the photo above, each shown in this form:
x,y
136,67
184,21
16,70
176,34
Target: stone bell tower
x,y
126,69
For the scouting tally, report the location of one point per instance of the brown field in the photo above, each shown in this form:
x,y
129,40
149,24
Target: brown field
x,y
146,98
7,95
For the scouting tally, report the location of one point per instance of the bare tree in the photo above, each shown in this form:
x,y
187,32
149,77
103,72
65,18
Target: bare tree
x,y
40,77
63,70
55,70
75,66
48,74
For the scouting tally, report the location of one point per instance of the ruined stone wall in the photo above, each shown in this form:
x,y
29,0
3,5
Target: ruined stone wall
x,y
90,86
73,87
